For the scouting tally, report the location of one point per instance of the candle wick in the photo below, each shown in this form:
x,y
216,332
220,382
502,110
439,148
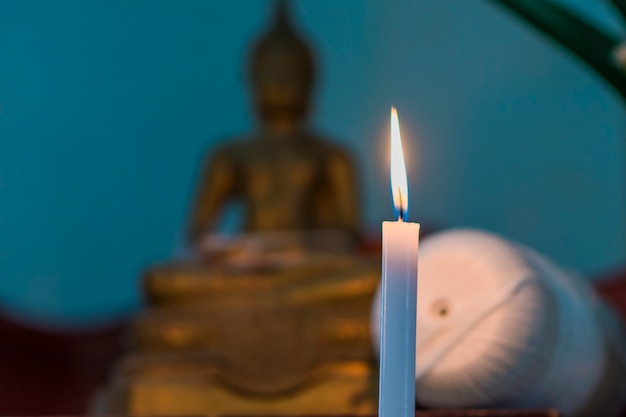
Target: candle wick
x,y
400,206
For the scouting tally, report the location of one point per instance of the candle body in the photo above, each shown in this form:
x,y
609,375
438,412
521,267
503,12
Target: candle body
x,y
398,318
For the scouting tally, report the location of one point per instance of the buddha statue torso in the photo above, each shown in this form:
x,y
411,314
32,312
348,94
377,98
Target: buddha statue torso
x,y
287,184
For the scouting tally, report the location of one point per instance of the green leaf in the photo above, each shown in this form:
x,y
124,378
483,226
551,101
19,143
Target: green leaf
x,y
578,36
621,6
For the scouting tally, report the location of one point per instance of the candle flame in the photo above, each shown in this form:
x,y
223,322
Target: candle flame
x,y
399,187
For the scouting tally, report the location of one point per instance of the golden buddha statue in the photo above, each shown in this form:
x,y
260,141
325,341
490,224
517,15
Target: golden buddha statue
x,y
274,321
288,178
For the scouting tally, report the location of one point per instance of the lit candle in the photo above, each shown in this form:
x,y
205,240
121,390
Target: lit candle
x,y
398,295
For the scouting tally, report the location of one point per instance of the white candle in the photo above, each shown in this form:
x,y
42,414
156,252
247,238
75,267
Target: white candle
x,y
398,295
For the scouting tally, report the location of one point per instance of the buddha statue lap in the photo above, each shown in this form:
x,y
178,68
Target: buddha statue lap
x,y
275,320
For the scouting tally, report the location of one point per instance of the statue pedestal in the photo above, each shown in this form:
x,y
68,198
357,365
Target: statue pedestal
x,y
290,341
341,388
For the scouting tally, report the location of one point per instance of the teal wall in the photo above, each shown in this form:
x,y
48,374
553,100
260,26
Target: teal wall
x,y
106,108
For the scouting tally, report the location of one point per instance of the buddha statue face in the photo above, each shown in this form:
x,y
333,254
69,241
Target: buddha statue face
x,y
282,76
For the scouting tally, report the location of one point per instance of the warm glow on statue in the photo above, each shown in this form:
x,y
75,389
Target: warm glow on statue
x,y
288,178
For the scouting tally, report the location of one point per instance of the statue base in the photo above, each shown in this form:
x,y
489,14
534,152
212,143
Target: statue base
x,y
270,340
344,388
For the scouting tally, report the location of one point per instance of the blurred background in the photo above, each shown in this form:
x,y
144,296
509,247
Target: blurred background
x,y
108,107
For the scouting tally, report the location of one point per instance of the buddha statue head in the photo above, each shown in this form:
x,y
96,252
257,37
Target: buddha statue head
x,y
282,74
